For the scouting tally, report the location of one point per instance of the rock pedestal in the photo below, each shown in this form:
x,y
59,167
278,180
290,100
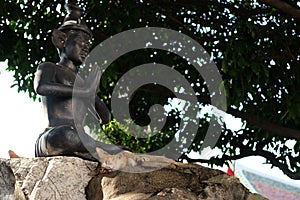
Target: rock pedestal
x,y
9,188
70,178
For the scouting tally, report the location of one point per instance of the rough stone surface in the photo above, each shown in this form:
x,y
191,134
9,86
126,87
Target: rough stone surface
x,y
8,187
177,181
53,177
7,181
71,178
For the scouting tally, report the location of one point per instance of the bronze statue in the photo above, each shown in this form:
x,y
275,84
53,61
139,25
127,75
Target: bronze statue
x,y
54,82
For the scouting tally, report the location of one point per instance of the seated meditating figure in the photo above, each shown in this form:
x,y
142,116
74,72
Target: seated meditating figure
x,y
55,83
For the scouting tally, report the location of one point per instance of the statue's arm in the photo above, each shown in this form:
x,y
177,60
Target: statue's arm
x,y
102,110
46,85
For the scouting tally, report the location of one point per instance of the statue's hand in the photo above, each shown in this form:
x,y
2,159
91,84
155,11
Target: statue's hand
x,y
91,83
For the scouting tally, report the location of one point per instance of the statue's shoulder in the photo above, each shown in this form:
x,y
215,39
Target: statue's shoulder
x,y
46,65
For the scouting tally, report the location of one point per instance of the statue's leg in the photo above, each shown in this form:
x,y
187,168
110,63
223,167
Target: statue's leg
x,y
64,140
61,140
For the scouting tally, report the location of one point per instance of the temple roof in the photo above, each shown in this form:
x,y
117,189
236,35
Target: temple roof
x,y
267,185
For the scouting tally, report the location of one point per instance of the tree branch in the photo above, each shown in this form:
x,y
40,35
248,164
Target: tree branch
x,y
284,167
266,125
192,160
284,7
250,118
248,152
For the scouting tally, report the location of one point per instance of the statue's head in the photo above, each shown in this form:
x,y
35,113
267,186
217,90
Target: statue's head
x,y
73,37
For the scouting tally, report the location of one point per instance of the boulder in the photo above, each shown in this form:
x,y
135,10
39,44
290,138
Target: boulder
x,y
8,187
52,177
76,179
177,181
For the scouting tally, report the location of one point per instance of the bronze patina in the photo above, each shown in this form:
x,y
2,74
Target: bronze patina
x,y
55,83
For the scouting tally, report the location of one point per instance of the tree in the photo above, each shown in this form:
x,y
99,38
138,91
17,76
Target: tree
x,y
255,45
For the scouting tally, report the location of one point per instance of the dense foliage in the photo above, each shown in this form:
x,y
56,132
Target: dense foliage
x,y
255,45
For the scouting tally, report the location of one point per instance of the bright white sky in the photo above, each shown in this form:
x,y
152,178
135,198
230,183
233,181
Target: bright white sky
x,y
22,120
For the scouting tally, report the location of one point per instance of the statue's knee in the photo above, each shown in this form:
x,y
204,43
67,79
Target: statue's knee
x,y
60,140
72,139
61,136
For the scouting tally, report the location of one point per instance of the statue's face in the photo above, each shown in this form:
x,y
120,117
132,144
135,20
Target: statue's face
x,y
77,47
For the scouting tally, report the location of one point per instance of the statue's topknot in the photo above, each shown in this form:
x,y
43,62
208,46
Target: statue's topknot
x,y
73,20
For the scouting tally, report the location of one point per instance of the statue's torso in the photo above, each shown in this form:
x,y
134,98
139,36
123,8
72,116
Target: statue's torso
x,y
59,109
